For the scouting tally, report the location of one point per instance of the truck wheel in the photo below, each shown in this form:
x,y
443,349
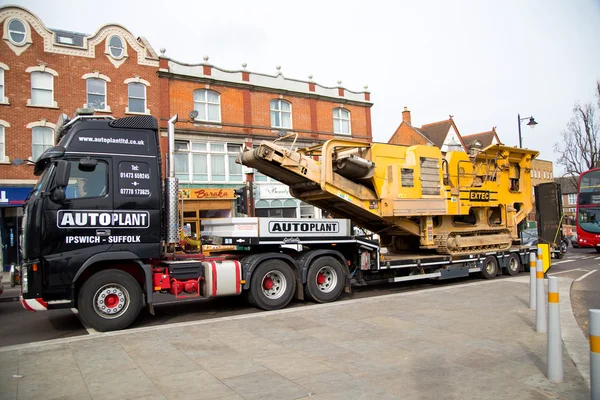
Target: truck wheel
x,y
489,269
514,265
110,300
272,285
325,280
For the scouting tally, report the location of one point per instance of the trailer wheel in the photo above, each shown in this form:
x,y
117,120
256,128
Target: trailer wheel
x,y
325,280
514,265
110,300
489,269
272,285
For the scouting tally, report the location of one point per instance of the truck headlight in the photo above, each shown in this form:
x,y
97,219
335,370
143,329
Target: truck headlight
x,y
24,286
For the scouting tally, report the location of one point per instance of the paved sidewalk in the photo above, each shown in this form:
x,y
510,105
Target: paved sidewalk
x,y
473,341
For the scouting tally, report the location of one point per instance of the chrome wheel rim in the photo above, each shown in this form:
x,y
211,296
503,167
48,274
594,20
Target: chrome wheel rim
x,y
111,301
273,284
326,279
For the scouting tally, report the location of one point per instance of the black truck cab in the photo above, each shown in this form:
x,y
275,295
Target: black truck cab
x,y
98,201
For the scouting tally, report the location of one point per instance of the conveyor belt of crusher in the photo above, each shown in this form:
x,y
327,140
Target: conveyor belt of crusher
x,y
309,191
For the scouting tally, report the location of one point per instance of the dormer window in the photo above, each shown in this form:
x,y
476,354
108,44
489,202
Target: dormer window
x,y
115,46
65,40
17,32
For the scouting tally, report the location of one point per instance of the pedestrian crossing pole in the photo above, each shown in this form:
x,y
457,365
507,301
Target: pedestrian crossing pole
x,y
532,282
594,331
555,349
541,323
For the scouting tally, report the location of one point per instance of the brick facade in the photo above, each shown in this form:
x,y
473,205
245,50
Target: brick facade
x,y
88,56
244,118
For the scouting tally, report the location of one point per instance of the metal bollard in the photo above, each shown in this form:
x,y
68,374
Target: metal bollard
x,y
594,331
541,323
532,282
555,348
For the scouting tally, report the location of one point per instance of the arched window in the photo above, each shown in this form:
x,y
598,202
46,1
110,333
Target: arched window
x,y
137,97
3,67
3,126
41,138
208,105
42,89
96,94
341,121
281,114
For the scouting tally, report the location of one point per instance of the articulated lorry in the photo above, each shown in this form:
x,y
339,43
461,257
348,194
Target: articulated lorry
x,y
101,227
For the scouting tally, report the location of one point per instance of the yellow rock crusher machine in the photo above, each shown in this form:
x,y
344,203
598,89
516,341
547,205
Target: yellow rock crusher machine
x,y
412,197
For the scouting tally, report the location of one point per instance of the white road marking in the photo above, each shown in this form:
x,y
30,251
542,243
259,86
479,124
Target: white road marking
x,y
91,331
569,270
597,258
587,257
562,261
585,276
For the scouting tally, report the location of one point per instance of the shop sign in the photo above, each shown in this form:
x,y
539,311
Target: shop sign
x,y
13,196
274,191
206,194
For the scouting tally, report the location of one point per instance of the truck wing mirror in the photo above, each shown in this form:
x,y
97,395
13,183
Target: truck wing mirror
x,y
88,164
58,194
63,169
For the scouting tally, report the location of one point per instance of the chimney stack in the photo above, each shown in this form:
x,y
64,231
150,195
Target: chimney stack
x,y
406,116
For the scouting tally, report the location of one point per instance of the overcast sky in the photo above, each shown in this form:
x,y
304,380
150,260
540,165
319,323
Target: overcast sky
x,y
481,61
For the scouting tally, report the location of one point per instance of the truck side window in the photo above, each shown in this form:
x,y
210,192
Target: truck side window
x,y
86,184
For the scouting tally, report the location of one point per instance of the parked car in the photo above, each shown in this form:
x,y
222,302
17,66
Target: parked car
x,y
529,237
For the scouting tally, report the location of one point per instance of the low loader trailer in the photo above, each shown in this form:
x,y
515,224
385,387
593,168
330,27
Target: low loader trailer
x,y
101,227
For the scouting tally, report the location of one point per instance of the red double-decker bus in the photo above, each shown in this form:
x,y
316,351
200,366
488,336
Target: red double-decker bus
x,y
588,209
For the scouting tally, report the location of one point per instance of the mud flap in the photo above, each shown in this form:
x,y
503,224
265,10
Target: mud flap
x,y
299,289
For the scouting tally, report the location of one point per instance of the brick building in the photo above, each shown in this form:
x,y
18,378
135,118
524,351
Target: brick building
x,y
44,73
222,111
443,134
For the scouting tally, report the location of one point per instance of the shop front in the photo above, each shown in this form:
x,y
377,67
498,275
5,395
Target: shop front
x,y
204,203
274,200
11,215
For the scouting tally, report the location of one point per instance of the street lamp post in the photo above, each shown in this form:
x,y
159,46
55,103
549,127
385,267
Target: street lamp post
x,y
531,123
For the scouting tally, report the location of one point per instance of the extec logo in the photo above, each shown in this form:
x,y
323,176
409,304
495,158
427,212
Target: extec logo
x,y
479,195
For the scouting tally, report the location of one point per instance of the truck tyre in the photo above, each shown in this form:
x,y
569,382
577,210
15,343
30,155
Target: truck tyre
x,y
272,285
110,300
325,280
489,269
514,265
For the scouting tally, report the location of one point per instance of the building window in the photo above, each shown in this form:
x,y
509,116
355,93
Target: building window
x,y
137,97
65,40
96,94
572,198
341,121
115,47
42,138
208,105
42,89
276,208
17,32
1,85
2,145
207,162
281,114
